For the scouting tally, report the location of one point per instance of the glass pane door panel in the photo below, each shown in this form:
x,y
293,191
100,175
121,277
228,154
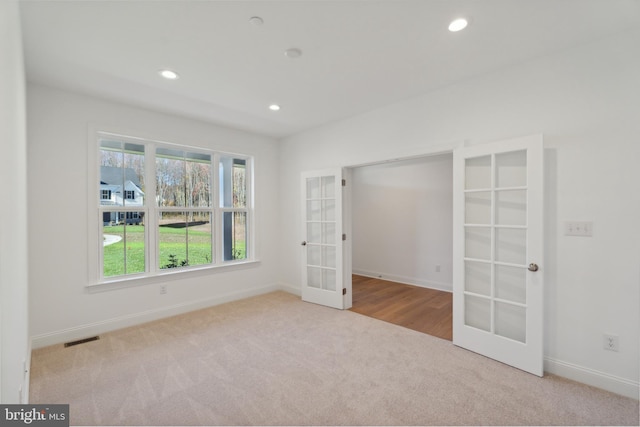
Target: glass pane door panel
x,y
477,208
477,312
329,280
511,169
477,278
314,232
314,212
478,173
322,256
511,207
511,283
321,232
328,186
329,256
321,278
314,255
478,243
510,321
314,277
328,210
313,188
511,245
329,233
321,210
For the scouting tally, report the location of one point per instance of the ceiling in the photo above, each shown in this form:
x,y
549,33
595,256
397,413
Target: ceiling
x,y
357,55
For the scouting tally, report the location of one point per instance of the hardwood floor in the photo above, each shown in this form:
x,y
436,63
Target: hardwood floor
x,y
421,309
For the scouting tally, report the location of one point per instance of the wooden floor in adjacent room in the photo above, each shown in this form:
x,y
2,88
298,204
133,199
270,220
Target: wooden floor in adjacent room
x,y
421,309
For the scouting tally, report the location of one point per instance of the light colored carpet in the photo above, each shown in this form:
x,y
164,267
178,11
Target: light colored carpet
x,y
274,360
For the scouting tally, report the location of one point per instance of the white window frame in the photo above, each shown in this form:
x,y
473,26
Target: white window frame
x,y
151,211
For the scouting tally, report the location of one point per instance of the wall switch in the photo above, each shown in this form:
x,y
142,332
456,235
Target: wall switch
x,y
610,342
163,289
578,228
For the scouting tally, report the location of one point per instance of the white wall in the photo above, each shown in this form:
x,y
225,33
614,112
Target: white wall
x,y
402,221
62,308
585,102
14,326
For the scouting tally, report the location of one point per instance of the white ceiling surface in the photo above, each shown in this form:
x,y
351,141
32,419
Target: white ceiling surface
x,y
357,55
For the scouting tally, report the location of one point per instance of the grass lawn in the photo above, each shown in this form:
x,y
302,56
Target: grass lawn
x,y
172,242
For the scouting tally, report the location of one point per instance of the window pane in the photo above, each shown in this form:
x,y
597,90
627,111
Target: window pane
x,y
235,235
133,193
172,235
170,181
123,235
184,239
183,178
233,187
121,173
111,173
198,179
199,239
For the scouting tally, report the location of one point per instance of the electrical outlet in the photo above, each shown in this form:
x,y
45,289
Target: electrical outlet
x,y
163,289
610,342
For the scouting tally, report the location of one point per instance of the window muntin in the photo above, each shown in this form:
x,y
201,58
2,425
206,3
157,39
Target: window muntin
x,y
181,228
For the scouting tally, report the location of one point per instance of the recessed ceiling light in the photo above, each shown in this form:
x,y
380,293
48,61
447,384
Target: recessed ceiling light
x,y
458,24
168,74
274,107
256,20
293,53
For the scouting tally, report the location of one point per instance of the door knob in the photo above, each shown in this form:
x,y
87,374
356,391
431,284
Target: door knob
x,y
304,243
533,267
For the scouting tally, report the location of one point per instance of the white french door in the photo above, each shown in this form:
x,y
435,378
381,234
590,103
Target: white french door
x,y
322,262
498,238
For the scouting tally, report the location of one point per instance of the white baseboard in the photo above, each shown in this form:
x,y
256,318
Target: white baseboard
x,y
593,378
287,287
440,286
91,329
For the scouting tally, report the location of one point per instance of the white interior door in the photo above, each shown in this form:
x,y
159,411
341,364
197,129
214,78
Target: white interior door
x,y
498,279
322,263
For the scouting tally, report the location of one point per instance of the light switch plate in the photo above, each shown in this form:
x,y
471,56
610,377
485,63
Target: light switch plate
x,y
578,228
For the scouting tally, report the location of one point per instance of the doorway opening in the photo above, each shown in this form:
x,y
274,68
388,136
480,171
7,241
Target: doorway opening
x,y
402,245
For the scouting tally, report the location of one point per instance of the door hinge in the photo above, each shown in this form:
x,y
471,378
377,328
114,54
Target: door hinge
x,y
344,182
344,291
344,237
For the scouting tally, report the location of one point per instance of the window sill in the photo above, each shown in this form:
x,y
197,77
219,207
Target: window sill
x,y
165,276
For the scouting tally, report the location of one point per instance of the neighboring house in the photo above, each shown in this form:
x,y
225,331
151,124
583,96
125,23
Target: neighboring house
x,y
119,190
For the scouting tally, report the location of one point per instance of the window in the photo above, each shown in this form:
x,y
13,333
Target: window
x,y
170,208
